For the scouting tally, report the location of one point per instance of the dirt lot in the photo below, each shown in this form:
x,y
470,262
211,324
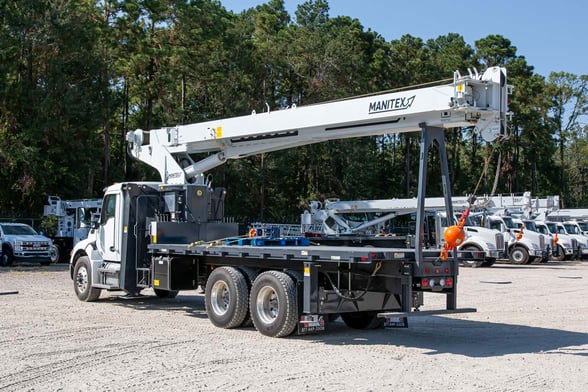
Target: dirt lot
x,y
530,334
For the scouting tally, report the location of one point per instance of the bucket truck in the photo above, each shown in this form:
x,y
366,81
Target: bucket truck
x,y
171,235
74,219
375,223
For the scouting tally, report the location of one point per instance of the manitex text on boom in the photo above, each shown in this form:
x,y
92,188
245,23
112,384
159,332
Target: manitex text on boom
x,y
390,105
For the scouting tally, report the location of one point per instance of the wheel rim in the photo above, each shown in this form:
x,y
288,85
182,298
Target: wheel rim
x,y
517,255
220,298
267,305
54,254
82,279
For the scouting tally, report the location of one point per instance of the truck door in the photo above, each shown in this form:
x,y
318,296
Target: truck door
x,y
108,241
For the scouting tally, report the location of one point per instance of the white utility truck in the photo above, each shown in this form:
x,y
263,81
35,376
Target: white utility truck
x,y
171,235
523,246
376,223
74,220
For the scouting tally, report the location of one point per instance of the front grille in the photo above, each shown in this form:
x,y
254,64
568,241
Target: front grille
x,y
34,246
499,241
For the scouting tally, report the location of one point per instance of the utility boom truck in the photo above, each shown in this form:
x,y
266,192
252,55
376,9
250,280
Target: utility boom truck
x,y
171,235
374,223
74,220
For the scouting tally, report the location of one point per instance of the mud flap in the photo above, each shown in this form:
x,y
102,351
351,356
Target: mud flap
x,y
396,322
311,323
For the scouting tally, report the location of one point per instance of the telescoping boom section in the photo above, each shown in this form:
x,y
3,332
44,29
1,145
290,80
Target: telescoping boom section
x,y
171,235
472,100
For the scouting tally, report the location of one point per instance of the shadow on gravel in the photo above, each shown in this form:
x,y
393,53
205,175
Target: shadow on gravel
x,y
437,335
191,305
549,265
34,267
441,335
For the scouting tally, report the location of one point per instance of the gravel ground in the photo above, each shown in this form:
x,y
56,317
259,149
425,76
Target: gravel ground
x,y
530,333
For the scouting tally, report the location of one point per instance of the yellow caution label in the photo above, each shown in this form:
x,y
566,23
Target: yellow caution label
x,y
460,87
306,271
154,239
219,132
155,282
125,229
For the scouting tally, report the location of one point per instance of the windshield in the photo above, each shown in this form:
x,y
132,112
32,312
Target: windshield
x,y
552,227
509,223
583,225
571,228
542,229
18,230
530,225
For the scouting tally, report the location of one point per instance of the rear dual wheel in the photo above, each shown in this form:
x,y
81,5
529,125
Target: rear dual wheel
x,y
274,304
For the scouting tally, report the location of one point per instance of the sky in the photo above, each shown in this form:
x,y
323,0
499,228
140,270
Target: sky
x,y
551,35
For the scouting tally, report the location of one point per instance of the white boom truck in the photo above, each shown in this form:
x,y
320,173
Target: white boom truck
x,y
74,220
165,235
366,221
560,247
523,246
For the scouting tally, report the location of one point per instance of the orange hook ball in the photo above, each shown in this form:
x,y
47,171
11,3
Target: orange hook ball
x,y
454,236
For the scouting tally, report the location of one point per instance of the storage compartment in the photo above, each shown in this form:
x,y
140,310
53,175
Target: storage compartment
x,y
175,273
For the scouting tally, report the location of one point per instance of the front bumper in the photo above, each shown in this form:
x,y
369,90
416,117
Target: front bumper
x,y
32,258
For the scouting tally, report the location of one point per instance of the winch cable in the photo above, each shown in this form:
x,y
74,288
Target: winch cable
x,y
454,235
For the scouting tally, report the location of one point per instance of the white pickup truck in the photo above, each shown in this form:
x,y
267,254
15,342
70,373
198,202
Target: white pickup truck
x,y
20,242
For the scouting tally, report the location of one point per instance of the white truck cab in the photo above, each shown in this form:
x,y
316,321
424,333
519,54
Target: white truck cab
x,y
523,246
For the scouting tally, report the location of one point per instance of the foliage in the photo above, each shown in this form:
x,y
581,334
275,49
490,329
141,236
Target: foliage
x,y
75,76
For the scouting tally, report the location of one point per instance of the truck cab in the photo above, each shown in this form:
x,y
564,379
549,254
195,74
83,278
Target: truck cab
x,y
567,245
482,239
523,246
573,230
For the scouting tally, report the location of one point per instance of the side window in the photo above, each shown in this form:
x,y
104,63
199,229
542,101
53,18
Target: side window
x,y
108,209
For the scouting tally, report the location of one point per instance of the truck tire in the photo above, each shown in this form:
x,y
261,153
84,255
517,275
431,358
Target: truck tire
x,y
362,320
165,293
561,254
55,253
274,304
488,263
225,297
7,258
250,276
82,278
472,263
519,255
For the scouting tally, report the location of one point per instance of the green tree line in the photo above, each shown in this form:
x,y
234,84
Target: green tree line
x,y
76,75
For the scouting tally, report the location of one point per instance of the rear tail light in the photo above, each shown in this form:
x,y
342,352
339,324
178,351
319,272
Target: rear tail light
x,y
440,282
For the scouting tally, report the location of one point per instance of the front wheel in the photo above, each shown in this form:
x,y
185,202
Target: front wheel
x,y
55,253
519,255
559,255
7,258
472,263
274,304
83,281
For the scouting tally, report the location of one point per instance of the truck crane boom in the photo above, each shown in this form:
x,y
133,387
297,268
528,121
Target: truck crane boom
x,y
471,100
